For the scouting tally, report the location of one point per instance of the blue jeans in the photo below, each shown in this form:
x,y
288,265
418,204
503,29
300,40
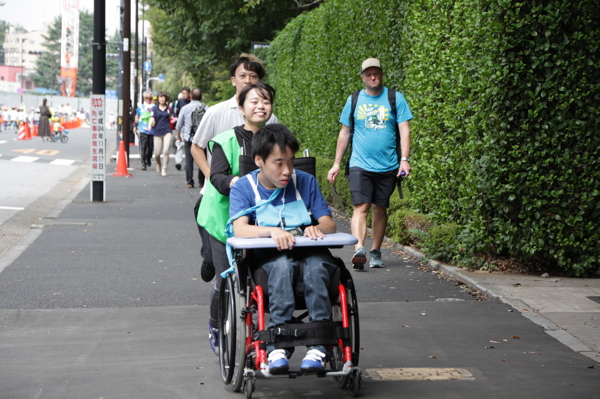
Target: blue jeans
x,y
318,267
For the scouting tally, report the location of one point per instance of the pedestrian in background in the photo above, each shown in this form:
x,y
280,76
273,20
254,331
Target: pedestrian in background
x,y
184,132
44,126
144,130
160,121
374,163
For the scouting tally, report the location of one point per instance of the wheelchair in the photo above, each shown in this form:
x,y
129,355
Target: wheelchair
x,y
243,334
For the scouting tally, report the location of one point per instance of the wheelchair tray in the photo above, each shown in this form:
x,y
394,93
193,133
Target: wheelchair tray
x,y
330,240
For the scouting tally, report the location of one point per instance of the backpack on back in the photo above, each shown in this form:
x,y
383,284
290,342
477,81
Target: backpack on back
x,y
197,116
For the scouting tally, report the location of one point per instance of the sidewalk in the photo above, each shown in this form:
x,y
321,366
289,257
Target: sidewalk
x,y
110,292
568,309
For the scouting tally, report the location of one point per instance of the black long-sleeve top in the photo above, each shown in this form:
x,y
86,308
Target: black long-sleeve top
x,y
220,169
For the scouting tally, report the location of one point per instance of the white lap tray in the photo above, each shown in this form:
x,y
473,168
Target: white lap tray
x,y
330,240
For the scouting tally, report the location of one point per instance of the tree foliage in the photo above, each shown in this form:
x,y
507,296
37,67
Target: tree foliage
x,y
48,63
203,34
47,66
3,28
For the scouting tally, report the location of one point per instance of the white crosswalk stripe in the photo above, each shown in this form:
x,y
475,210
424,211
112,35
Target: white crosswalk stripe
x,y
63,162
24,158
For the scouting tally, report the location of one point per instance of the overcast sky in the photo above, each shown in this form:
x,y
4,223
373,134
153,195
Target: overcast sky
x,y
32,14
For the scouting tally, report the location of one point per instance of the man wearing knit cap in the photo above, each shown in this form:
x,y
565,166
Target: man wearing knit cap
x,y
376,162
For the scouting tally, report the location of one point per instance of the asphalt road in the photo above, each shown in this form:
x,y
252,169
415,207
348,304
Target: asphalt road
x,y
104,300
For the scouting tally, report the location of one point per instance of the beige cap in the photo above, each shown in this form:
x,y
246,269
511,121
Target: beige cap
x,y
370,62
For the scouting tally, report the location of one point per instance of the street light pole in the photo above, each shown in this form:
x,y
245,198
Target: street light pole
x,y
22,69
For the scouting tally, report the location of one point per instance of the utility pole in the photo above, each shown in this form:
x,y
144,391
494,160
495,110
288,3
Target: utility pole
x,y
98,102
125,72
137,57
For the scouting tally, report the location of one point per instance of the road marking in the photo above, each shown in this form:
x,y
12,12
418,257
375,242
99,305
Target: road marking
x,y
63,162
419,374
3,141
11,208
23,158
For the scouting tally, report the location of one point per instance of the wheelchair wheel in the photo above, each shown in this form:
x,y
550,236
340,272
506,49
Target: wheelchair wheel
x,y
337,361
232,333
64,138
227,328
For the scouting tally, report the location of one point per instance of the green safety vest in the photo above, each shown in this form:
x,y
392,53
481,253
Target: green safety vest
x,y
214,208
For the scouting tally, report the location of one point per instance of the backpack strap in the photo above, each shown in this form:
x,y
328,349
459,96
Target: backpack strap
x,y
354,100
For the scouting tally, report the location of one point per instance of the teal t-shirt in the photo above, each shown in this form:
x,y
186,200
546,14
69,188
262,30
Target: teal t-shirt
x,y
144,112
374,140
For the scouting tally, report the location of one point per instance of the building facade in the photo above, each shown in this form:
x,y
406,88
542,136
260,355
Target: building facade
x,y
21,50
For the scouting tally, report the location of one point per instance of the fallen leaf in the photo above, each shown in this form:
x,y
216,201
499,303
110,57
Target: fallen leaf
x,y
528,353
67,328
516,337
496,342
423,314
432,357
489,347
405,326
505,360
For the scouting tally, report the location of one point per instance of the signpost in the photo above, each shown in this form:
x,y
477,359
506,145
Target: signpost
x,y
98,144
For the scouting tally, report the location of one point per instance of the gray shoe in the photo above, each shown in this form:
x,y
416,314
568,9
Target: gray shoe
x,y
359,259
376,261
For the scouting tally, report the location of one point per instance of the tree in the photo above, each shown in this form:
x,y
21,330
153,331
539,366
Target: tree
x,y
84,66
203,34
3,28
47,66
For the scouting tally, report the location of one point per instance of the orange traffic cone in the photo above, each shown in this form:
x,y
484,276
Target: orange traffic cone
x,y
35,131
27,131
24,133
122,161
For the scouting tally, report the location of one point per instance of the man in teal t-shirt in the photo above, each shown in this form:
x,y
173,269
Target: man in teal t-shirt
x,y
145,132
374,164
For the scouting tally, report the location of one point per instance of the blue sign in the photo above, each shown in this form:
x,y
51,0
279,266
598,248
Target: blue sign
x,y
147,66
161,77
110,94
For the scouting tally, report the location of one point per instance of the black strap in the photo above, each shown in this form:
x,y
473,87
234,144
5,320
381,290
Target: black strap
x,y
300,334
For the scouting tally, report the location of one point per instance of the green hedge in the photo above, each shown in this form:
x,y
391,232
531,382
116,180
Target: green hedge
x,y
506,98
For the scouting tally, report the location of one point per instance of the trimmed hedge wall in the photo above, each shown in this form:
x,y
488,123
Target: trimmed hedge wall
x,y
506,98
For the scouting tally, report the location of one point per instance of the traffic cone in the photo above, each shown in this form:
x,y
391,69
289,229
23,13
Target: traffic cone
x,y
35,131
21,134
27,131
122,161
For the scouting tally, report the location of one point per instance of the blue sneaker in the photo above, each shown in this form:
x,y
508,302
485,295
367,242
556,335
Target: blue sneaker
x,y
213,338
376,261
278,362
313,361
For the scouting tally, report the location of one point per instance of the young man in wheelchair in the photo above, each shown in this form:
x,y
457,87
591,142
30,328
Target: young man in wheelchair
x,y
286,197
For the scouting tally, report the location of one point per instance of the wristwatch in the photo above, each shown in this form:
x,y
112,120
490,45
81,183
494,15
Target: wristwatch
x,y
405,159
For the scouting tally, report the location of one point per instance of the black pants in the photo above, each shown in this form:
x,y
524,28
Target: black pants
x,y
205,250
189,165
146,148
